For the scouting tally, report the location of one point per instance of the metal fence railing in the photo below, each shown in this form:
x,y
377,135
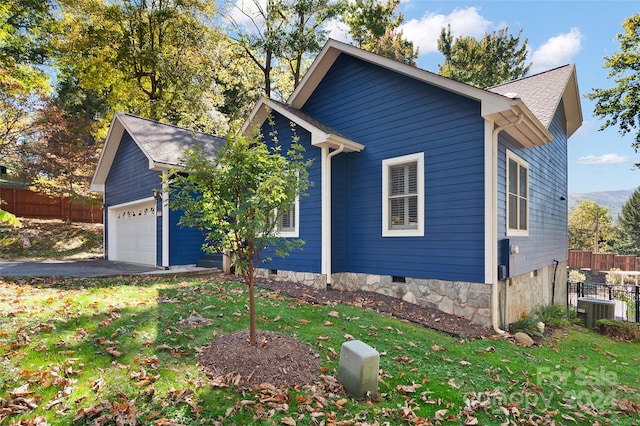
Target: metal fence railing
x,y
626,297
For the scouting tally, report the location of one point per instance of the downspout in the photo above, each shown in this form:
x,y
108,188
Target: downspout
x,y
326,208
165,219
105,225
495,296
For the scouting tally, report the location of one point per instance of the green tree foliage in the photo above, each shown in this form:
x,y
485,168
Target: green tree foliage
x,y
620,105
280,36
16,125
26,27
150,58
589,223
374,26
8,218
261,33
629,226
495,59
237,198
26,30
304,35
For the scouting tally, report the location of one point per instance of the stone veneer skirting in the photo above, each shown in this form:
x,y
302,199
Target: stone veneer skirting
x,y
468,300
465,299
518,295
318,281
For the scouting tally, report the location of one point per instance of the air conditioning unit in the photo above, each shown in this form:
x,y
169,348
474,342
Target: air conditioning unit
x,y
596,309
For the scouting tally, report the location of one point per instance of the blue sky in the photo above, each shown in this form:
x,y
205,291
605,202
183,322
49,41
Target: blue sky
x,y
558,32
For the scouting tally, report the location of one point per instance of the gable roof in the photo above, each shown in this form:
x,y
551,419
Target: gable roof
x,y
543,93
528,126
162,144
321,134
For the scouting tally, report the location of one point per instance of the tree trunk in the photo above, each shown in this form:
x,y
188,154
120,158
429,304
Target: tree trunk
x,y
252,313
267,74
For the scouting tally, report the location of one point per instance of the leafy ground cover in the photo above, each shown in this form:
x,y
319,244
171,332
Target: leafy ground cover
x,y
124,351
50,239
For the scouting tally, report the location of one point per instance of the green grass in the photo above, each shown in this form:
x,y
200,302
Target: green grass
x,y
86,348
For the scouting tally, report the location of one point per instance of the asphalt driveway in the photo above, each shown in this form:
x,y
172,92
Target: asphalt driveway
x,y
84,268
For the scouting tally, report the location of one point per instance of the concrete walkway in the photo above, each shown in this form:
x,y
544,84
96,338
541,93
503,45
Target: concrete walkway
x,y
88,268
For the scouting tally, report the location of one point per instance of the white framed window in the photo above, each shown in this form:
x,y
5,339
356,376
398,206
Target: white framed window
x,y
288,222
403,196
517,196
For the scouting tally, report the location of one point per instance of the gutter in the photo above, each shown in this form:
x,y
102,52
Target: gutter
x,y
495,296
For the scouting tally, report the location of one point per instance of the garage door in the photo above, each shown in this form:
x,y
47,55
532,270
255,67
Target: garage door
x,y
132,233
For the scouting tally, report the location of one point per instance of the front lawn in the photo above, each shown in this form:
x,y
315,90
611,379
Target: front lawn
x,y
116,350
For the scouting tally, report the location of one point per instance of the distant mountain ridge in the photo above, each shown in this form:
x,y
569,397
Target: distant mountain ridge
x,y
613,200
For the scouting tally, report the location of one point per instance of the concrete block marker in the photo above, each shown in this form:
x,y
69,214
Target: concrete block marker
x,y
358,370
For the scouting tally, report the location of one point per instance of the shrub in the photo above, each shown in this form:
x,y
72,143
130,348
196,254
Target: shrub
x,y
619,330
551,315
576,276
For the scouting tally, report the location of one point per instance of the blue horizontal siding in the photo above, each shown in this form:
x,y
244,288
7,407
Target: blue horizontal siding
x,y
394,115
130,179
185,243
308,258
547,239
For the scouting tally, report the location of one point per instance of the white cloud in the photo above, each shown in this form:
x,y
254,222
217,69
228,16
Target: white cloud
x,y
424,32
602,160
246,13
338,30
557,51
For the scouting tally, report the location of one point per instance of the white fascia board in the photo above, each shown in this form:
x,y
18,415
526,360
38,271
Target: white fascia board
x,y
332,50
335,142
573,107
257,117
116,130
96,187
534,131
318,136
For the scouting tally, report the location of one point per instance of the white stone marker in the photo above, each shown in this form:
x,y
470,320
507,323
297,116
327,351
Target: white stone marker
x,y
358,370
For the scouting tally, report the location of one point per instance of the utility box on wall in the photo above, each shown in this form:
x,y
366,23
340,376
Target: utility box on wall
x,y
504,265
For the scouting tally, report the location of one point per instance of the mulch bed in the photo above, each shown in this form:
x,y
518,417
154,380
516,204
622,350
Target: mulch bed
x,y
435,319
277,359
283,361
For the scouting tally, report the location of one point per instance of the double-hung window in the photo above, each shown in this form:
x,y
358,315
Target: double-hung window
x,y
517,196
288,222
403,196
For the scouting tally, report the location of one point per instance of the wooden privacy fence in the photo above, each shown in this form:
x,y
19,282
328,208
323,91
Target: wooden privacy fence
x,y
602,261
26,203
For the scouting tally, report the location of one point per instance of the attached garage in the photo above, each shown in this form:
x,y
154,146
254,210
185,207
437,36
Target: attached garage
x,y
132,233
135,162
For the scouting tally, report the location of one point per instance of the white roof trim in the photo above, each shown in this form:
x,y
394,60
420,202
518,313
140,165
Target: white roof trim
x,y
319,137
495,107
111,144
332,50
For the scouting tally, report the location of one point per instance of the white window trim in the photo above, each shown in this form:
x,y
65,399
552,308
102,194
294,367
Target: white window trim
x,y
386,166
295,233
516,232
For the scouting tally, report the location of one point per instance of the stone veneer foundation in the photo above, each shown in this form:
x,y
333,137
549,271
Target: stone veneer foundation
x,y
469,300
466,299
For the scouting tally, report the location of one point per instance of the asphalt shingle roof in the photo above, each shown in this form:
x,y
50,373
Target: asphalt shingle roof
x,y
166,143
540,92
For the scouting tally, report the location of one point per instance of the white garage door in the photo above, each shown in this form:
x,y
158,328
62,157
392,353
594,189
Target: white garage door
x,y
132,233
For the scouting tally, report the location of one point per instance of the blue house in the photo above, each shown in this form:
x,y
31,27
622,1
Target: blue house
x,y
429,189
138,226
